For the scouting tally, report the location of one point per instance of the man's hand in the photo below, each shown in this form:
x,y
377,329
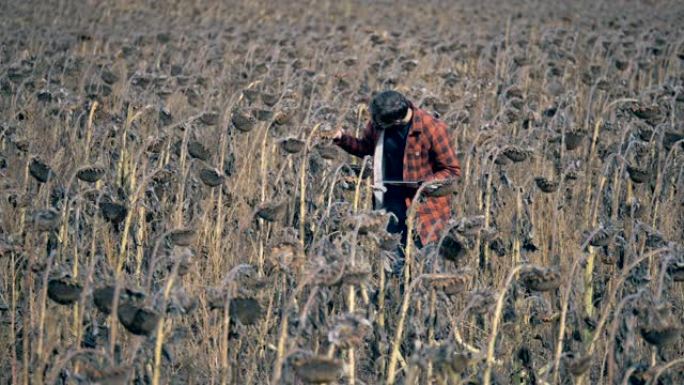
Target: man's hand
x,y
338,134
360,147
331,134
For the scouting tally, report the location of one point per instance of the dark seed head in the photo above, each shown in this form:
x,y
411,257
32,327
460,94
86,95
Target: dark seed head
x,y
44,96
388,241
637,175
246,310
676,271
40,170
573,139
113,212
103,298
210,118
64,291
481,301
662,335
649,113
601,237
137,320
292,145
90,174
327,151
109,77
350,61
243,122
110,376
367,172
516,154
446,358
317,369
603,84
513,92
283,116
454,247
165,116
157,145
546,185
409,65
502,160
198,151
46,220
540,278
621,63
250,94
271,211
211,177
182,237
525,357
263,115
670,138
269,99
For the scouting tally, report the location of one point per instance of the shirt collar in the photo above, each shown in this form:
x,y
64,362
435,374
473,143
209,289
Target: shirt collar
x,y
417,120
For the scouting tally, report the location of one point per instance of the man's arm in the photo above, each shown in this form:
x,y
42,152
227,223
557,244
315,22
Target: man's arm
x,y
360,147
446,163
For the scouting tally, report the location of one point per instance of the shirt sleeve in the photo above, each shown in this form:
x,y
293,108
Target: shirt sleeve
x,y
360,147
446,164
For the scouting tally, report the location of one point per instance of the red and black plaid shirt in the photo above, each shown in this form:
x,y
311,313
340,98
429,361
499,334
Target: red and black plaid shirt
x,y
429,155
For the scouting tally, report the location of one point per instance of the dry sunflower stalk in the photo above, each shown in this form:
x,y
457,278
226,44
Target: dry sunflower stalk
x,y
94,175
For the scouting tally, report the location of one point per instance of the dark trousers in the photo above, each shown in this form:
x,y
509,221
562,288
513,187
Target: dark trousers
x,y
395,203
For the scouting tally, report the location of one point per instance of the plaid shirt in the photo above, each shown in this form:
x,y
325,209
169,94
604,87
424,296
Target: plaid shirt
x,y
429,156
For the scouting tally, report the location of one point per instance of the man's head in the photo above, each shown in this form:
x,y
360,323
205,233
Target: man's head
x,y
388,109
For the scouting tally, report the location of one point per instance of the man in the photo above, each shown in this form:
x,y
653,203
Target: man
x,y
409,147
